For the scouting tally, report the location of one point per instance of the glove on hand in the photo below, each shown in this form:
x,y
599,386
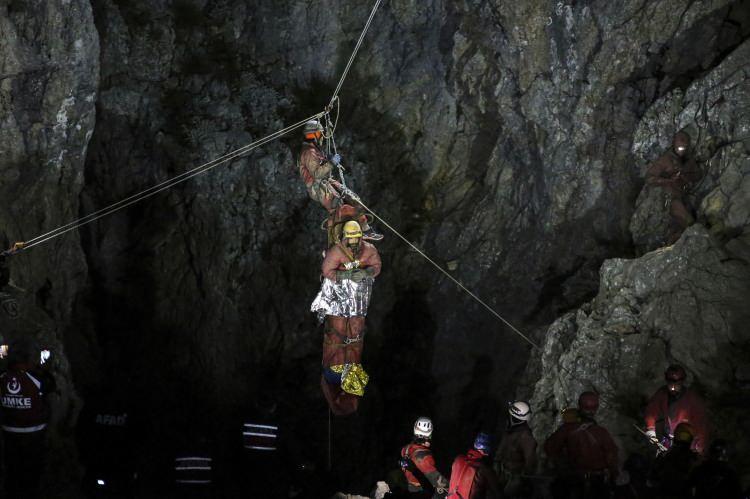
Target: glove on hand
x,y
335,159
651,434
351,265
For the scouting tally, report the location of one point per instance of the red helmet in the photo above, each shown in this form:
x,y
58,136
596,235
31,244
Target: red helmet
x,y
588,402
675,373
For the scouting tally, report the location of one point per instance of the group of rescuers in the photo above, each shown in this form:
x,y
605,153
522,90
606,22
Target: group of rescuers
x,y
583,456
582,452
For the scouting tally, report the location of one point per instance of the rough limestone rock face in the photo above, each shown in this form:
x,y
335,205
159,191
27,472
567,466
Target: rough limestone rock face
x,y
49,69
651,219
714,113
685,303
498,136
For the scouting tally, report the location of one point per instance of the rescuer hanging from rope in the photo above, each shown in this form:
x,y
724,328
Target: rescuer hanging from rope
x,y
349,270
315,169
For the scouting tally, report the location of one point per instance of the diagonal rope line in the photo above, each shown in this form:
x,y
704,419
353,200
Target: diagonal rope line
x,y
151,191
458,283
167,184
354,53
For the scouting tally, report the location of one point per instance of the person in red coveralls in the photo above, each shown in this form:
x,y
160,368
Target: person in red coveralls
x,y
471,475
418,464
584,454
349,270
676,172
675,403
24,420
315,170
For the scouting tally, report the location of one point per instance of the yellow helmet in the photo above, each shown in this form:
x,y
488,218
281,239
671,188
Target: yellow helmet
x,y
684,433
352,230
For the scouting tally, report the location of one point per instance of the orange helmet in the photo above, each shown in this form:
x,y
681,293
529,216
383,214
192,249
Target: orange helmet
x,y
313,130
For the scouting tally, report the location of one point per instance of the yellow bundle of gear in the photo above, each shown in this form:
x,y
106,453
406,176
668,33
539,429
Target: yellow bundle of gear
x,y
353,378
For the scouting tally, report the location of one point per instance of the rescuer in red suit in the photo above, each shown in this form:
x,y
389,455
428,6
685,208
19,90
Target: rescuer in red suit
x,y
472,477
584,454
676,172
349,268
418,464
675,403
315,169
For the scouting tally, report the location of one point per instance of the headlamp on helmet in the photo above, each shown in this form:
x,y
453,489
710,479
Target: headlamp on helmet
x,y
520,410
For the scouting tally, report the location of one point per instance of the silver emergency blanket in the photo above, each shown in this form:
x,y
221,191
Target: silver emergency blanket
x,y
344,299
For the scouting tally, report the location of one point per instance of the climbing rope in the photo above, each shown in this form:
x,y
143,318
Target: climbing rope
x,y
330,442
351,194
354,54
151,191
169,183
458,283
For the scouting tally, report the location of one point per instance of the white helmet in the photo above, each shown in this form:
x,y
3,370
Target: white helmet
x,y
423,428
520,410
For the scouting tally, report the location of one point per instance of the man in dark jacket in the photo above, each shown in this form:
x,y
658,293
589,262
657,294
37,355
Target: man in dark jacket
x,y
675,403
25,413
418,464
671,470
676,172
471,475
584,454
516,455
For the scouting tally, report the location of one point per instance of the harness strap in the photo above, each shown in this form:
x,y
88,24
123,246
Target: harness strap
x,y
346,251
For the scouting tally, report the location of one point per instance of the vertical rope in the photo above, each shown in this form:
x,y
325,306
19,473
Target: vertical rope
x,y
330,440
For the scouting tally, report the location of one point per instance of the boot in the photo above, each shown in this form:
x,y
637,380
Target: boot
x,y
370,235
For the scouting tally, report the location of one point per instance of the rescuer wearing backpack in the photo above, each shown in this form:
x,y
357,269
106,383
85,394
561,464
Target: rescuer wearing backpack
x,y
472,476
584,454
418,464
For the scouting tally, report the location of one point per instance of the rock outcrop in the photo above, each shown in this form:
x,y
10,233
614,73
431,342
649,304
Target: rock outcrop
x,y
684,303
506,139
49,77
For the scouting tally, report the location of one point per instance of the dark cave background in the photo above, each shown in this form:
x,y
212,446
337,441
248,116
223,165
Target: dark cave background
x,y
505,140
